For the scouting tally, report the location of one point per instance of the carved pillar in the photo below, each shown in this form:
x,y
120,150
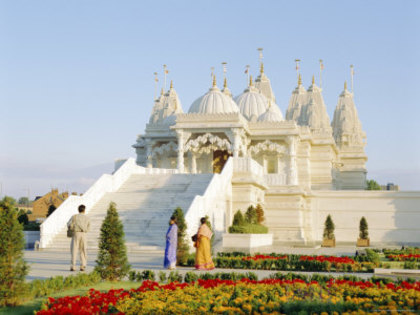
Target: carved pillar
x,y
149,157
292,174
180,163
193,163
236,142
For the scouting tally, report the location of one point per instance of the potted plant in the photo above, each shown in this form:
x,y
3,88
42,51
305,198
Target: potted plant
x,y
329,238
363,240
247,230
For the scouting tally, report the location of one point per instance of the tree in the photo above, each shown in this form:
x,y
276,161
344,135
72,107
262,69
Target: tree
x,y
13,268
329,228
24,201
51,209
10,200
112,263
372,185
23,217
363,229
260,214
238,218
251,215
182,247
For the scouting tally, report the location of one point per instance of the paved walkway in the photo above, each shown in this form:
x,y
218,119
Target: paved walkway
x,y
47,263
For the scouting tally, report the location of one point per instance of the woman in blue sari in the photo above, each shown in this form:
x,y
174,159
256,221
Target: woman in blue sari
x,y
171,245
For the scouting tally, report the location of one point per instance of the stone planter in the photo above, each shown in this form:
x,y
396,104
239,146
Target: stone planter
x,y
363,242
246,242
328,243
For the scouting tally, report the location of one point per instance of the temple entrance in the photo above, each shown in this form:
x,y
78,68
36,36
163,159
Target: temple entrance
x,y
219,160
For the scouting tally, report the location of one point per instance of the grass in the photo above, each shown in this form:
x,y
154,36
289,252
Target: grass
x,y
34,305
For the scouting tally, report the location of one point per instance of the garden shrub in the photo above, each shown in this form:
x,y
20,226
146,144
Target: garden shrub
x,y
182,252
13,268
250,224
190,277
148,275
329,228
162,276
112,262
363,229
174,276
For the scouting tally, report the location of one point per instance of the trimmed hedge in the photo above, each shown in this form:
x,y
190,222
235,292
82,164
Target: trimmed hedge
x,y
248,229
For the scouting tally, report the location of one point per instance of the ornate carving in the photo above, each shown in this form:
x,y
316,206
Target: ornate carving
x,y
207,143
167,147
267,145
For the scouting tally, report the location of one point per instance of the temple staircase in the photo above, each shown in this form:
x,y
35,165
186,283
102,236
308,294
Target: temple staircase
x,y
145,203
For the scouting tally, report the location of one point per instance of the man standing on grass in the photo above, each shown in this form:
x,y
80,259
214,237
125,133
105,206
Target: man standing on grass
x,y
79,224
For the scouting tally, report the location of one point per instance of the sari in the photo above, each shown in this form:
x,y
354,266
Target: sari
x,y
171,246
203,259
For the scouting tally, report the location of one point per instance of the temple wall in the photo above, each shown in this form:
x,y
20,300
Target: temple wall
x,y
393,217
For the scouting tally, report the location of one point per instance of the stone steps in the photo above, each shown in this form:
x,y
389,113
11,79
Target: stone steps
x,y
145,204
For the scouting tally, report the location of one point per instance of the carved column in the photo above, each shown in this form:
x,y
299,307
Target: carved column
x,y
149,156
292,174
236,142
193,163
180,164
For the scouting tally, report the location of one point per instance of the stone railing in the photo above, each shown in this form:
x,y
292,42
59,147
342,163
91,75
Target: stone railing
x,y
57,221
212,203
275,179
247,165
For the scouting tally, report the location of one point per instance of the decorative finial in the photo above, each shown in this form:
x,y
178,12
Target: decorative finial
x,y
225,83
214,80
262,68
212,71
172,85
161,91
345,85
300,80
297,61
250,80
165,72
313,80
156,83
260,50
247,73
321,67
224,69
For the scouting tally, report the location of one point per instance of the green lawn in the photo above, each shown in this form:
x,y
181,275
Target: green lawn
x,y
31,306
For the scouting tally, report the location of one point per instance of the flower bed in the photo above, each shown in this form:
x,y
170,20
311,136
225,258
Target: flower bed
x,y
269,296
292,262
404,257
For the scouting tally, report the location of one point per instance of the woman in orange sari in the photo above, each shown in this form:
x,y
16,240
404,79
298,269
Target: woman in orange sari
x,y
203,259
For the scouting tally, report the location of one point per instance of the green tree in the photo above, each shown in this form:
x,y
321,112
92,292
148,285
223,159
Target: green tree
x,y
238,219
251,215
372,185
112,263
9,200
51,209
23,217
329,228
183,248
23,201
13,268
363,229
260,214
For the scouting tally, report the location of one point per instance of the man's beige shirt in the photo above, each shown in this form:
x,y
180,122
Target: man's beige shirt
x,y
80,222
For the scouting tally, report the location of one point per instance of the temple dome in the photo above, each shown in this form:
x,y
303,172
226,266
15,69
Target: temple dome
x,y
251,102
214,102
271,114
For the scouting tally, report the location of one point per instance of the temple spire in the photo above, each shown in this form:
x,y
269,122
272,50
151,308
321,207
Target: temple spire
x,y
225,83
214,80
262,68
300,80
313,80
250,80
345,85
172,85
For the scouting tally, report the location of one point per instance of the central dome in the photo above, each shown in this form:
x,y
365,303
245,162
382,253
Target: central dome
x,y
214,102
252,103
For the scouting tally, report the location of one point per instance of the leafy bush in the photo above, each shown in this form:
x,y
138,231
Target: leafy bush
x,y
174,276
148,275
32,226
13,268
410,265
190,277
329,228
250,224
183,248
260,214
248,229
162,276
363,229
112,262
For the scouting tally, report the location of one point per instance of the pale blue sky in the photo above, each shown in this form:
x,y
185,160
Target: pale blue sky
x,y
76,77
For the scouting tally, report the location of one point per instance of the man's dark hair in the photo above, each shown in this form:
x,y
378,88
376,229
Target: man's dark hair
x,y
82,208
203,220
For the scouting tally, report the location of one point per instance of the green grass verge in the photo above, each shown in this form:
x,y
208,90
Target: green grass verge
x,y
34,305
